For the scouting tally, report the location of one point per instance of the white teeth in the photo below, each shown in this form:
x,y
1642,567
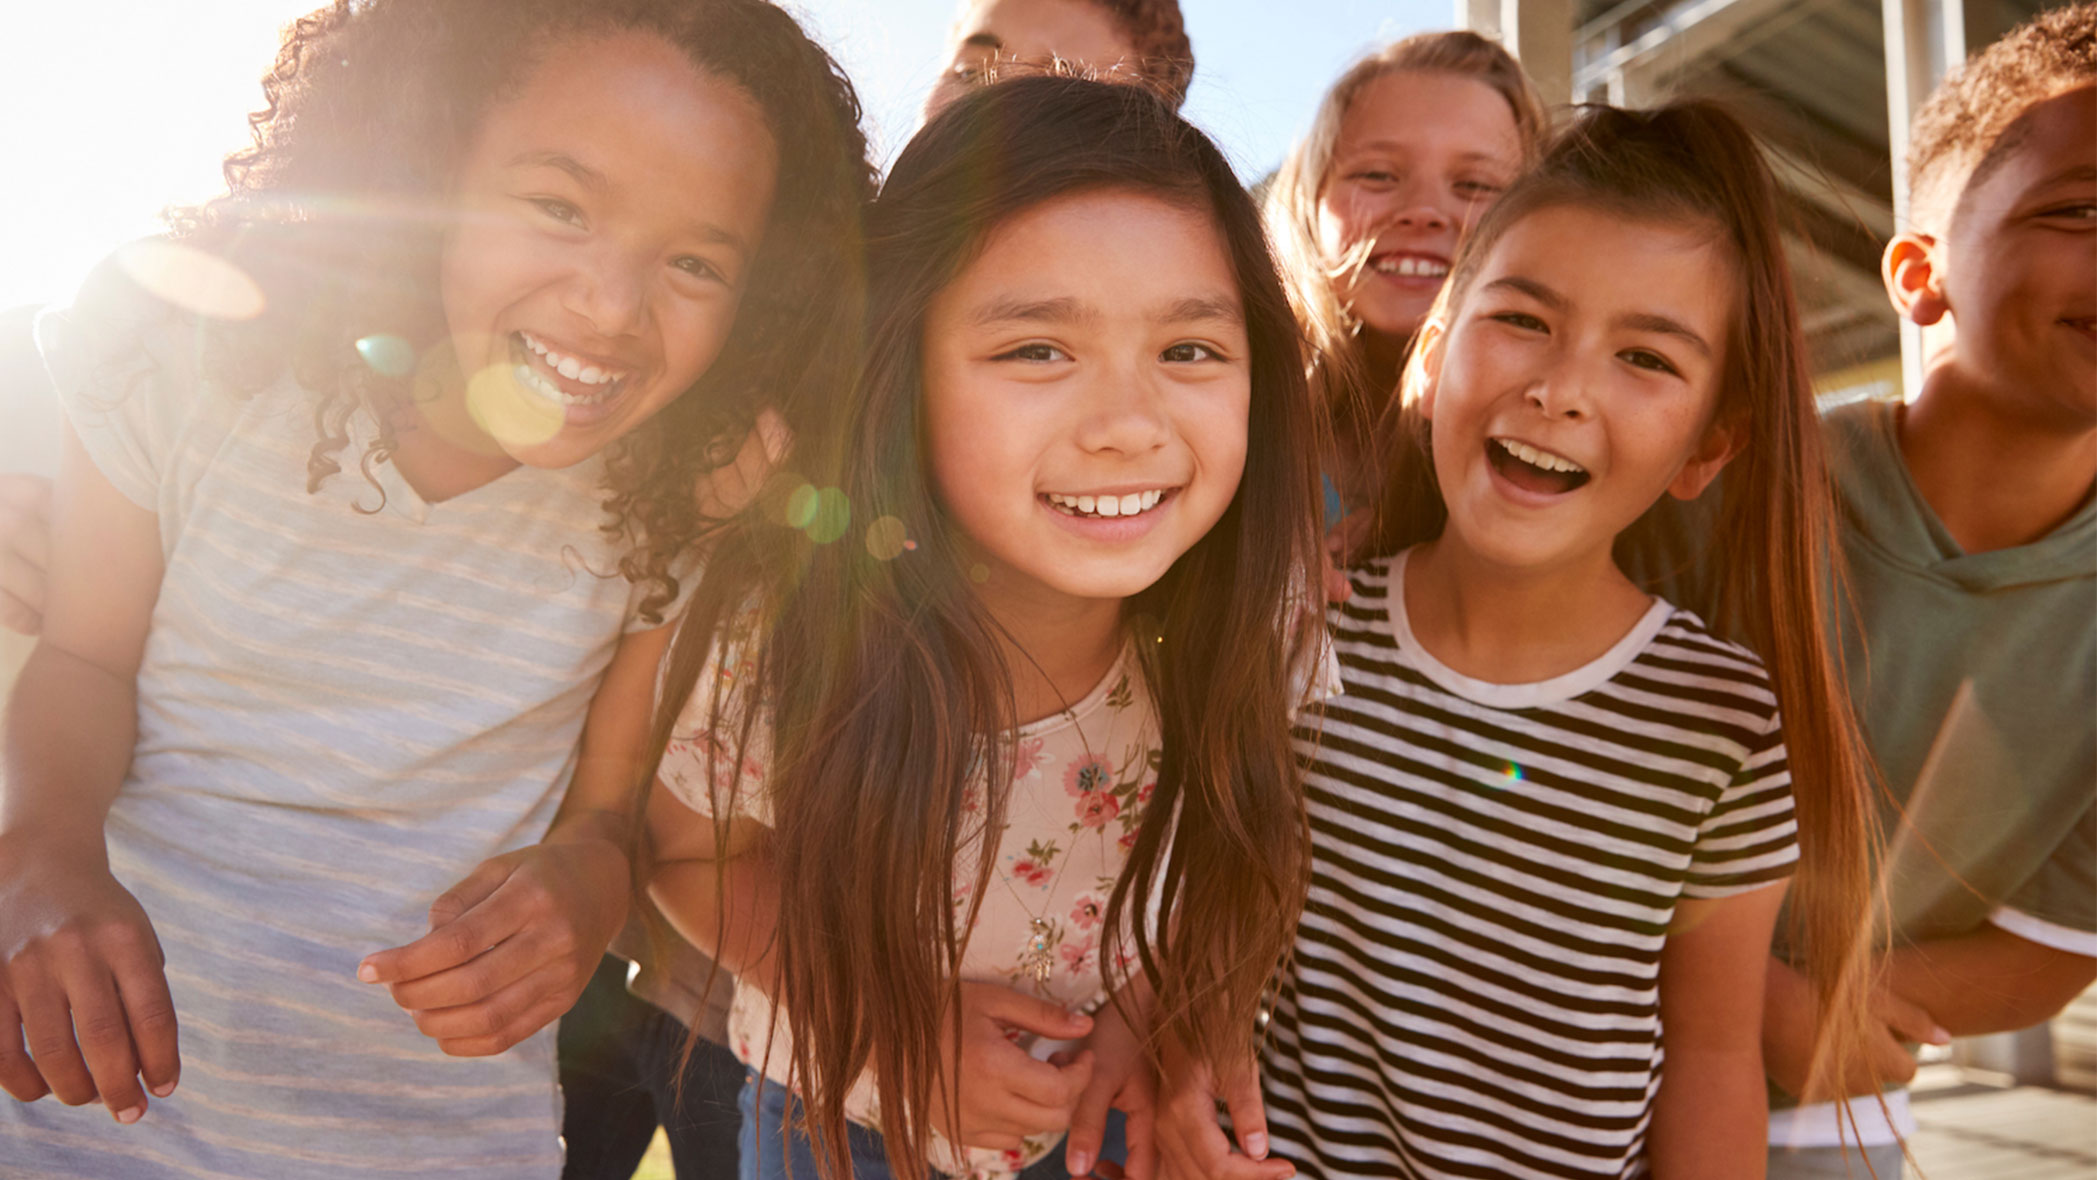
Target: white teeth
x,y
1411,267
535,382
1537,458
1108,507
574,369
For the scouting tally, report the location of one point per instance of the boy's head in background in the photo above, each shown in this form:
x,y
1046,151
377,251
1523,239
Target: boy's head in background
x,y
1134,40
1999,260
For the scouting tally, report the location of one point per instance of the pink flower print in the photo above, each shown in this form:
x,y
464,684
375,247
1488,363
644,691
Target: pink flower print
x,y
1088,775
1029,871
1078,956
1127,842
1088,912
1097,808
972,799
1027,757
1143,792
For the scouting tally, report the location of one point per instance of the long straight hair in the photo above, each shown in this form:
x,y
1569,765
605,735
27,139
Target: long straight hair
x,y
1771,555
885,682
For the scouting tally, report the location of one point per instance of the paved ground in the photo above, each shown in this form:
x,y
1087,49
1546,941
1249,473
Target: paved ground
x,y
1979,1132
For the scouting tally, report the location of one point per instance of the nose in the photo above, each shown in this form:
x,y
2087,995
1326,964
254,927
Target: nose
x,y
1418,207
609,289
1123,414
1562,394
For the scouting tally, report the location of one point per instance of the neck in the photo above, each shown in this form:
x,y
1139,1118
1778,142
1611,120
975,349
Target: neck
x,y
1508,625
438,447
1996,477
1056,647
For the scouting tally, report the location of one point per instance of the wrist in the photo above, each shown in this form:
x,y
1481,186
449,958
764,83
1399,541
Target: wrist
x,y
70,841
593,826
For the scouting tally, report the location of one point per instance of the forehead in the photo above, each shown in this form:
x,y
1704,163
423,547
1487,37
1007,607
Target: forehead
x,y
1420,111
1116,251
1607,264
2052,141
1074,30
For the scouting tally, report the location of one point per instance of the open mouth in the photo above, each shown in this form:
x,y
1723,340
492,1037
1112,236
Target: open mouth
x,y
1108,507
1410,266
558,377
1534,469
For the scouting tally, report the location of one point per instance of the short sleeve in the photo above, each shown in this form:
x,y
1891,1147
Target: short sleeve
x,y
1750,837
2057,905
719,754
126,405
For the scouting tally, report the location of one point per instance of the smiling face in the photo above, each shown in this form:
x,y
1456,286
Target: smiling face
x,y
2017,270
1086,388
1577,384
1419,156
610,211
1028,34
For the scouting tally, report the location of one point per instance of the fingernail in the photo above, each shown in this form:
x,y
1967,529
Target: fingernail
x,y
163,1089
367,973
130,1115
1080,1163
1938,1036
1256,1145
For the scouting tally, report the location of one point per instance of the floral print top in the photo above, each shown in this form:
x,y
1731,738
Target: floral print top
x,y
1081,781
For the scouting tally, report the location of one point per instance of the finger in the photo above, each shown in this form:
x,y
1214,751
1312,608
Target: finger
x,y
1033,1014
1338,588
510,1035
513,959
141,984
460,930
1241,1097
104,1035
1037,1082
1910,1021
536,997
18,1075
47,1030
1140,1133
1088,1126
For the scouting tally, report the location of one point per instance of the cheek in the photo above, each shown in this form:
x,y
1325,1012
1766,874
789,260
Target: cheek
x,y
1339,223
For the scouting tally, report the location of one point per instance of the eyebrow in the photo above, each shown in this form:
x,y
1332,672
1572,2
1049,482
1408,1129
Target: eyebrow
x,y
2078,172
1642,321
590,178
1067,310
984,40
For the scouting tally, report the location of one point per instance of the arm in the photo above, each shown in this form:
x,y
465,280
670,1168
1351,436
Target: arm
x,y
1712,1115
80,967
1987,981
25,550
512,946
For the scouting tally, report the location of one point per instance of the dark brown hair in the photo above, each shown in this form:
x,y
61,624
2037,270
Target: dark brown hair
x,y
1164,55
1777,572
1959,133
339,208
885,679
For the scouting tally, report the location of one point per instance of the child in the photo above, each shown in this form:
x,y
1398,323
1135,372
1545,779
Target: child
x,y
1553,815
529,271
1119,40
1971,537
1409,147
1039,688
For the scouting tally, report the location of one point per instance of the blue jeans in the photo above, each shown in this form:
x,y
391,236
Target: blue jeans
x,y
766,1103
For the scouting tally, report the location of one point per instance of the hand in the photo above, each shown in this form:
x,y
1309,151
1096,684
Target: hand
x,y
81,979
1121,1079
1007,1095
727,490
1191,1144
25,550
511,947
1791,1025
1340,545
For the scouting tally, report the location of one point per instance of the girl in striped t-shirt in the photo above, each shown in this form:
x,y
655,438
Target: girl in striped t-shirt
x,y
1553,815
528,271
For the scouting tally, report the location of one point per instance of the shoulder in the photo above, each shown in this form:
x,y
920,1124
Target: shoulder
x,y
1709,672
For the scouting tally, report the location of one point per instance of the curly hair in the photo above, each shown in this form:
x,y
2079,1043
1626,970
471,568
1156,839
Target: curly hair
x,y
338,208
1164,55
1969,122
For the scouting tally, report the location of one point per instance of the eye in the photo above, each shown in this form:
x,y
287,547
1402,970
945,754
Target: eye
x,y
698,268
1039,354
2073,211
557,209
1644,358
1189,351
1522,320
1374,176
1477,190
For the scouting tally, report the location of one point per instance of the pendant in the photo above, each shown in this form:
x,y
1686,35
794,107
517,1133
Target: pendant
x,y
1039,961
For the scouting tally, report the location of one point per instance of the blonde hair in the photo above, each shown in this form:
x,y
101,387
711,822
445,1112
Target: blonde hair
x,y
1339,376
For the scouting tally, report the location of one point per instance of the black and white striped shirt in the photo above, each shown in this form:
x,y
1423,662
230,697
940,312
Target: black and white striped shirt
x,y
1475,986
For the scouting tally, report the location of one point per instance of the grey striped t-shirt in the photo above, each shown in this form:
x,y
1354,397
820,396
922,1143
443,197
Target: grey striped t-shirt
x,y
341,713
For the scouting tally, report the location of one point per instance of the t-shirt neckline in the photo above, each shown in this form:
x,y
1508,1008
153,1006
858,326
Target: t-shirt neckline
x,y
1556,690
1089,703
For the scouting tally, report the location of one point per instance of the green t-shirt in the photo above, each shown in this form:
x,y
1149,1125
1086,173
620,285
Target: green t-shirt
x,y
1975,679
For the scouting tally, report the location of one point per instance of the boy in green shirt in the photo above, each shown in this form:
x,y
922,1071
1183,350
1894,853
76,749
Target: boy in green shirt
x,y
1970,535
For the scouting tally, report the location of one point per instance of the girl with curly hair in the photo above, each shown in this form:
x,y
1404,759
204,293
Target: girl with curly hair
x,y
532,269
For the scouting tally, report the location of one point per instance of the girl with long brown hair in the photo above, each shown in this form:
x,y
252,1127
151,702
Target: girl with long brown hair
x,y
996,727
1553,813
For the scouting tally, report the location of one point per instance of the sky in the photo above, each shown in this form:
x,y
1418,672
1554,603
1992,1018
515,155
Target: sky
x,y
120,108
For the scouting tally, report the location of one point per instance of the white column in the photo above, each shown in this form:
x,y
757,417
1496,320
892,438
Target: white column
x,y
1540,35
1924,39
1479,16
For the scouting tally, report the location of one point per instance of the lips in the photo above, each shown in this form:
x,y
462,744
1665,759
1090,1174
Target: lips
x,y
1534,469
1417,265
1108,505
564,377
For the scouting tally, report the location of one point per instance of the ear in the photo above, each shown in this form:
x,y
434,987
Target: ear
x,y
1722,440
1909,269
1423,373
